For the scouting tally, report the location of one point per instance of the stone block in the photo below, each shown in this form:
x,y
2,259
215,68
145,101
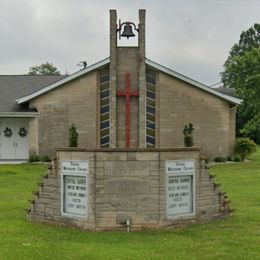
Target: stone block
x,y
111,156
126,186
127,168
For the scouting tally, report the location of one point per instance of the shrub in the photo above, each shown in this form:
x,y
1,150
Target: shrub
x,y
73,136
45,158
220,159
33,158
244,147
237,158
188,132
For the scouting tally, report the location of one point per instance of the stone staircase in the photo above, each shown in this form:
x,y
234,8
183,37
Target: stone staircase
x,y
212,202
45,207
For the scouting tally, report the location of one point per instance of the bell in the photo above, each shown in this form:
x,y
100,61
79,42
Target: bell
x,y
128,32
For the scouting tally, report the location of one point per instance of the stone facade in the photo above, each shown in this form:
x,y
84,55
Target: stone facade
x,y
177,103
74,103
127,185
130,183
213,118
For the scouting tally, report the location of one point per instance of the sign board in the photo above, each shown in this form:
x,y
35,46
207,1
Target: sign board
x,y
180,188
74,188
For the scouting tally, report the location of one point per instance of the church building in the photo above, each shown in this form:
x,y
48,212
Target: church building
x,y
131,170
124,101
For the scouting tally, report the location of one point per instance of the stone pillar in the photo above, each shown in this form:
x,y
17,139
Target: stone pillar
x,y
112,74
142,79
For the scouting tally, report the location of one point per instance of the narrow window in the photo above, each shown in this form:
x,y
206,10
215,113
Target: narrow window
x,y
150,109
104,109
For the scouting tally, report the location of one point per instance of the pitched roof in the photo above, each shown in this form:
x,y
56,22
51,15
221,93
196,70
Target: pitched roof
x,y
25,98
15,86
221,94
226,90
24,88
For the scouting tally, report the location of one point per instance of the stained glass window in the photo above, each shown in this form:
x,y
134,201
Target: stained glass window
x,y
150,108
104,108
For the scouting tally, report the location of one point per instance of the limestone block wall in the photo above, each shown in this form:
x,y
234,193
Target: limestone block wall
x,y
212,117
75,102
127,184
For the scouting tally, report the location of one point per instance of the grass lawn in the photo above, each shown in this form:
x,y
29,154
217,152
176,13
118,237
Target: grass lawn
x,y
235,238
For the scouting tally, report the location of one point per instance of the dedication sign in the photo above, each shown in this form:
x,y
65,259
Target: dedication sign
x,y
180,187
74,188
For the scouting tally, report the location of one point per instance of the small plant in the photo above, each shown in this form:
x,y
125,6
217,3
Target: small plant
x,y
237,158
33,158
45,158
244,147
188,135
73,136
220,159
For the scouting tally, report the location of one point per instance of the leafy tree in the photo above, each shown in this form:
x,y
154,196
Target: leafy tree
x,y
44,69
242,72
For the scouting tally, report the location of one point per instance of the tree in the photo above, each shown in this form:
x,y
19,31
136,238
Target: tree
x,y
44,69
242,72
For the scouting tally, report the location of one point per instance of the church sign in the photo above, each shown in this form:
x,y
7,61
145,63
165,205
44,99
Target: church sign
x,y
74,188
180,188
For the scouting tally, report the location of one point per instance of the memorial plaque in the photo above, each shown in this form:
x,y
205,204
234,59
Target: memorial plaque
x,y
180,187
74,188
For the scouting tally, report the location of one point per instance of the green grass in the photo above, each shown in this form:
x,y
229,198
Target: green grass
x,y
235,238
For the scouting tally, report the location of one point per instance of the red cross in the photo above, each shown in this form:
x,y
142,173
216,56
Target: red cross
x,y
127,94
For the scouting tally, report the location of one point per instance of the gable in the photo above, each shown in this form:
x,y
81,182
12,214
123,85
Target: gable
x,y
153,65
192,82
61,82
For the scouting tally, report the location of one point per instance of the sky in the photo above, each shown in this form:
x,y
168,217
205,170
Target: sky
x,y
192,37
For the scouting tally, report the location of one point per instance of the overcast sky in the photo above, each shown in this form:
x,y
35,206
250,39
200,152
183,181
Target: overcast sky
x,y
189,36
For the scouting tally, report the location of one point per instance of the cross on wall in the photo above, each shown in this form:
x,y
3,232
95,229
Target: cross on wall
x,y
127,94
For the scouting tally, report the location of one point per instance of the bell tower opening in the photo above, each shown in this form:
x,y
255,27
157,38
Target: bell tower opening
x,y
127,83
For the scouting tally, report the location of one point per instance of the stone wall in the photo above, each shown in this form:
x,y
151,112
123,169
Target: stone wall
x,y
75,102
128,184
212,117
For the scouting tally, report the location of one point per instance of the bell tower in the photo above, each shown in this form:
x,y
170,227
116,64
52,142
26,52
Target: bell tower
x,y
127,84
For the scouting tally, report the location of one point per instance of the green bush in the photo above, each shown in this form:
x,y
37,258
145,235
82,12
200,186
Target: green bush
x,y
244,147
188,135
33,158
45,158
73,136
237,158
220,159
